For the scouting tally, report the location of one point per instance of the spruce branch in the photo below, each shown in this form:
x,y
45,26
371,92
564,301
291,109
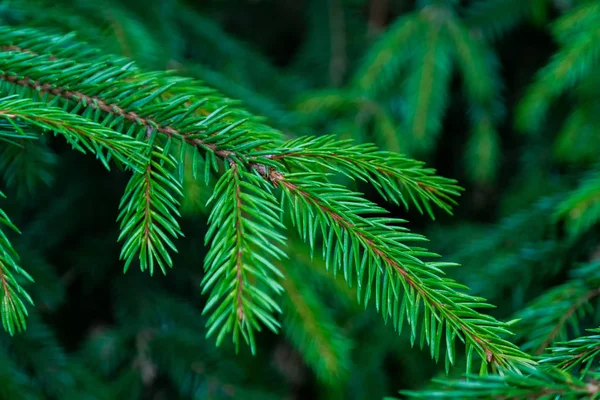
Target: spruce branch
x,y
13,310
581,18
161,109
240,274
54,46
148,210
352,102
475,59
538,384
546,319
396,178
374,249
81,133
132,97
582,352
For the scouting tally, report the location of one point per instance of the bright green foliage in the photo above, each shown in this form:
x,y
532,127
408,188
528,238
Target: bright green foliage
x,y
396,178
155,107
239,271
148,211
275,211
579,353
13,309
541,384
81,134
374,249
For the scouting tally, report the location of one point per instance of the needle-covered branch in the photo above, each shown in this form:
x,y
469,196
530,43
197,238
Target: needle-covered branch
x,y
397,178
240,273
13,296
547,318
581,353
148,214
83,134
163,116
546,384
129,101
375,249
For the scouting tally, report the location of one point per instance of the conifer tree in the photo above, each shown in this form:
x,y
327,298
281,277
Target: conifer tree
x,y
215,244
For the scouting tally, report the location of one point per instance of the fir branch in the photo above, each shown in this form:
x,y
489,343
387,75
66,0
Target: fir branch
x,y
65,48
475,58
533,384
545,319
244,220
13,311
239,273
147,214
95,102
81,133
139,94
398,179
53,46
569,313
518,251
577,140
317,104
391,265
483,148
581,351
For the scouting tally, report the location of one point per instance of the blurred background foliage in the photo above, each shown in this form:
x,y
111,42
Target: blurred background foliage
x,y
499,94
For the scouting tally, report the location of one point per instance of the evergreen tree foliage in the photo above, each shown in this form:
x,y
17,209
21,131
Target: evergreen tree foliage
x,y
265,158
